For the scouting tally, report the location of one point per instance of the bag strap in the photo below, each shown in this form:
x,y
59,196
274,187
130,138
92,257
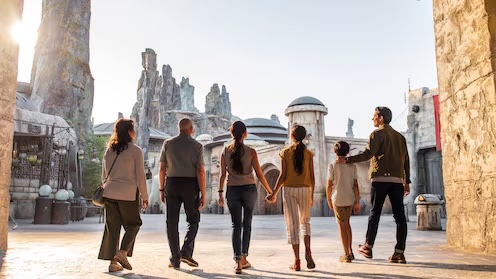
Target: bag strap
x,y
105,180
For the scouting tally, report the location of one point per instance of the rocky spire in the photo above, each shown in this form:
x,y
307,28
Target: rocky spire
x,y
187,93
167,89
349,133
146,92
218,103
212,100
224,107
61,79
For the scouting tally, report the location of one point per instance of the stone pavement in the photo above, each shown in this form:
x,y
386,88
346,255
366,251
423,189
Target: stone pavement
x,y
70,251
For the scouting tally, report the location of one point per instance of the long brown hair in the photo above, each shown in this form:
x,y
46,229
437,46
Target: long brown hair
x,y
237,130
120,138
298,133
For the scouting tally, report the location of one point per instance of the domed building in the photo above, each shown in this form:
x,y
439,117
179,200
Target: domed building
x,y
308,112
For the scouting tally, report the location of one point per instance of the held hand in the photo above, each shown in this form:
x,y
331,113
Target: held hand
x,y
271,198
357,208
407,189
162,197
311,201
221,200
203,202
144,204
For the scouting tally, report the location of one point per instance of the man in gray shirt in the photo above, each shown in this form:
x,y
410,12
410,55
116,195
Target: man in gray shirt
x,y
181,160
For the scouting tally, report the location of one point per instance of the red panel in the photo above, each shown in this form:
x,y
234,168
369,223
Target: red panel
x,y
438,122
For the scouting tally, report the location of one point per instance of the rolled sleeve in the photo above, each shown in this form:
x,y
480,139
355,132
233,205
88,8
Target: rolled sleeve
x,y
330,172
199,160
163,157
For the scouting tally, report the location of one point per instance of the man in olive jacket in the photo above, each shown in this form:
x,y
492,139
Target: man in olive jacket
x,y
390,176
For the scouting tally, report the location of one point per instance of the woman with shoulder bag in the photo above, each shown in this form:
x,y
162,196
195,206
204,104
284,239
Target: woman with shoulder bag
x,y
123,168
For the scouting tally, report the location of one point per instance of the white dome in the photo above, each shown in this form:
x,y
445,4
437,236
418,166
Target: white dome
x,y
204,137
71,194
62,195
45,190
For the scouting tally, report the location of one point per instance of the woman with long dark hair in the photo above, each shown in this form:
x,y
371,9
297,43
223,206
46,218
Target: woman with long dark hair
x,y
123,171
239,161
297,177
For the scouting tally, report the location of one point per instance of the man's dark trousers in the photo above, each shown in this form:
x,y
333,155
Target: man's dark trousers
x,y
378,194
179,190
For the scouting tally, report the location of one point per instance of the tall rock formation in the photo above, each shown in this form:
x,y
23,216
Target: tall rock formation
x,y
163,102
146,92
218,103
10,13
187,92
61,79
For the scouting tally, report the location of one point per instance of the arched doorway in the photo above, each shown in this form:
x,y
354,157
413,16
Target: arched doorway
x,y
262,207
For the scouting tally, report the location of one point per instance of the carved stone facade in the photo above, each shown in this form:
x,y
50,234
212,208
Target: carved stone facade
x,y
61,79
465,36
426,171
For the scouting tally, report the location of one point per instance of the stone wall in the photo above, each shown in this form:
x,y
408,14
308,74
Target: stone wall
x,y
465,36
10,12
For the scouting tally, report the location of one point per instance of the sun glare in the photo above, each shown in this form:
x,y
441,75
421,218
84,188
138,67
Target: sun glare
x,y
22,34
15,31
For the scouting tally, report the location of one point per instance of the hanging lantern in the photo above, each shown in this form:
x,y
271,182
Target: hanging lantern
x,y
80,154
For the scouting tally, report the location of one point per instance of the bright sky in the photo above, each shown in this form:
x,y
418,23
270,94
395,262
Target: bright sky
x,y
351,55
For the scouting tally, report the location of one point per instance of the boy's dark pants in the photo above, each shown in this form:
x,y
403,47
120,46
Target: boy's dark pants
x,y
378,193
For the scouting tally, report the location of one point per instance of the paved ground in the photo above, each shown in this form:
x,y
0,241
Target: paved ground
x,y
69,251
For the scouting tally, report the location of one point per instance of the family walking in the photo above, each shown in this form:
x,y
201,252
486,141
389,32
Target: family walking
x,y
182,181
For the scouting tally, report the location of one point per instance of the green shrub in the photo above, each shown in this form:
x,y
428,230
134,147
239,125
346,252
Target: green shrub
x,y
92,171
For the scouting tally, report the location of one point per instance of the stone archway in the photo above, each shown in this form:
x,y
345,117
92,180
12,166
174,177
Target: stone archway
x,y
262,207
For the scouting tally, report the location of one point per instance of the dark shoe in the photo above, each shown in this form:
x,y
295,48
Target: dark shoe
x,y
351,256
309,259
296,266
397,258
365,251
171,265
189,261
121,258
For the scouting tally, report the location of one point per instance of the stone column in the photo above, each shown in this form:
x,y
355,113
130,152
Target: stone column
x,y
465,36
10,12
312,118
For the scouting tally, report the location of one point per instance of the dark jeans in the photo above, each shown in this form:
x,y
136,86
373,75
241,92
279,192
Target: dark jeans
x,y
378,193
179,190
241,202
119,213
